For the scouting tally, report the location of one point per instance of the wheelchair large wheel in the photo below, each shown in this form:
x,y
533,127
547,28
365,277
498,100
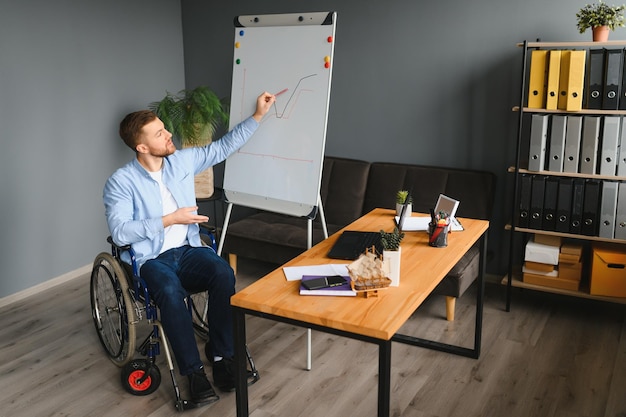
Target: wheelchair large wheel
x,y
199,314
112,309
135,380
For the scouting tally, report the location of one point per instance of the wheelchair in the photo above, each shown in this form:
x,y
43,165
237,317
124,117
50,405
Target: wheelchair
x,y
121,308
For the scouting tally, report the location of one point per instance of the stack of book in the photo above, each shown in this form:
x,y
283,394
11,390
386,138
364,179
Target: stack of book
x,y
549,263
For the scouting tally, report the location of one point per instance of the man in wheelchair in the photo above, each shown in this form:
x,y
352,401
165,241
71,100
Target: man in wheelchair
x,y
150,204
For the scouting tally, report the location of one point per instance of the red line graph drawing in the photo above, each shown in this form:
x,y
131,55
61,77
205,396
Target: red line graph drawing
x,y
282,158
281,112
295,93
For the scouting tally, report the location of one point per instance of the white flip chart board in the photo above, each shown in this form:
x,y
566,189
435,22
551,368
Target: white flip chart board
x,y
290,55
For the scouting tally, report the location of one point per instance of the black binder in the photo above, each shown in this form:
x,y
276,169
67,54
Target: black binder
x,y
595,79
536,201
578,195
622,100
591,208
564,205
525,185
549,204
612,78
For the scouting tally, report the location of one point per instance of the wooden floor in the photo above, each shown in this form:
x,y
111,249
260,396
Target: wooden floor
x,y
549,356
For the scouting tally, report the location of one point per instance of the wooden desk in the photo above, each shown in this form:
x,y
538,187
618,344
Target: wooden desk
x,y
373,319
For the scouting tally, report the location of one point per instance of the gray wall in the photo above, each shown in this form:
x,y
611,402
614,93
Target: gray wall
x,y
414,82
69,71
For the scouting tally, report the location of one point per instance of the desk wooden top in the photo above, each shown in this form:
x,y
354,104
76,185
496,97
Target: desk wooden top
x,y
422,268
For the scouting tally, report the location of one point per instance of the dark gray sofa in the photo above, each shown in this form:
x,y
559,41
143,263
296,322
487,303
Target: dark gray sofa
x,y
351,188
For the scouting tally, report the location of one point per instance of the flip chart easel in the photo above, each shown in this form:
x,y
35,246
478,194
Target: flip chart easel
x,y
280,168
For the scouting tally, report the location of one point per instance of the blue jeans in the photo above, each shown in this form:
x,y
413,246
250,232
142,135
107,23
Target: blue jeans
x,y
178,272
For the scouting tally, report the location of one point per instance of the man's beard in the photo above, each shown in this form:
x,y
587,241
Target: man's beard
x,y
166,152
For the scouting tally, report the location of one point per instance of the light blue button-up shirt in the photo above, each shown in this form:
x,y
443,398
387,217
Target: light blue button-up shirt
x,y
132,199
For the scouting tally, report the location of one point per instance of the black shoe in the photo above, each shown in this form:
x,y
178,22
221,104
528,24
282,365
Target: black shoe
x,y
200,388
224,375
208,353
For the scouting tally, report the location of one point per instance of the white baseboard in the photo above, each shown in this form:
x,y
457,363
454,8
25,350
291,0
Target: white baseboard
x,y
80,272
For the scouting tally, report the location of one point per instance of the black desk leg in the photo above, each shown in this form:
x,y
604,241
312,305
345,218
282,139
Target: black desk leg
x,y
480,293
478,329
384,378
241,385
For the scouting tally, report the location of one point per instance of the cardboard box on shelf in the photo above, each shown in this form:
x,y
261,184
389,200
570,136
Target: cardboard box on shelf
x,y
568,258
550,281
608,271
538,266
572,249
571,271
547,240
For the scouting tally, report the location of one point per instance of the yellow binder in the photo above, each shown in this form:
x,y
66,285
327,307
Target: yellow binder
x,y
554,72
563,80
576,79
537,79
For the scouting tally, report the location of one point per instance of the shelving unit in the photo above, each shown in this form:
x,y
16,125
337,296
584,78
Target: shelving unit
x,y
514,276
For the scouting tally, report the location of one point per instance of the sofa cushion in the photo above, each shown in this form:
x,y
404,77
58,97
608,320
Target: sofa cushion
x,y
343,189
474,189
461,276
272,237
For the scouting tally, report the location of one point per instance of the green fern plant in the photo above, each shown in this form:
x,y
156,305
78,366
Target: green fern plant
x,y
192,116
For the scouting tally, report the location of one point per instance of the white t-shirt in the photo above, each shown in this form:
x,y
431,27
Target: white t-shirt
x,y
176,234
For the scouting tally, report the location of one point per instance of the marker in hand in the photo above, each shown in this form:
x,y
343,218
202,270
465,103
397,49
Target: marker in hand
x,y
281,92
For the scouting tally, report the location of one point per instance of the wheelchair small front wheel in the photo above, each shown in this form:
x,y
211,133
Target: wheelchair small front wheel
x,y
140,377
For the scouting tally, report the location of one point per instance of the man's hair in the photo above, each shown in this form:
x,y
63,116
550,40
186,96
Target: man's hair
x,y
131,125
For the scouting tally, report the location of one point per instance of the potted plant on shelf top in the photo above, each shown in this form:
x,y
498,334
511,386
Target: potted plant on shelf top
x,y
193,116
601,18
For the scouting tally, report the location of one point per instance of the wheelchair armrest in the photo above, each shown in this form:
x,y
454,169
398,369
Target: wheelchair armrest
x,y
206,228
116,251
210,232
112,243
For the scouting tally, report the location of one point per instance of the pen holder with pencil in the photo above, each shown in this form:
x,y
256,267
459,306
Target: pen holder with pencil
x,y
438,234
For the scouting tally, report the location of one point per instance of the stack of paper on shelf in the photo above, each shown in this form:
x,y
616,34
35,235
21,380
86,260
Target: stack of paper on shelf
x,y
543,249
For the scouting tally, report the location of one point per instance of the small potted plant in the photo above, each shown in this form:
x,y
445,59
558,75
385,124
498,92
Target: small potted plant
x,y
601,18
390,241
403,198
193,116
